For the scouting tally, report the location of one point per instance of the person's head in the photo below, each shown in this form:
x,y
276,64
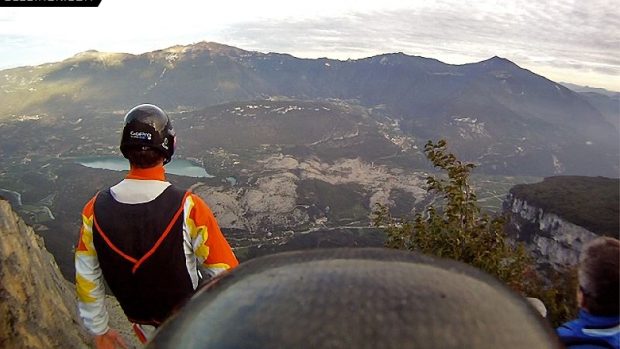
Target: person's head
x,y
599,273
148,137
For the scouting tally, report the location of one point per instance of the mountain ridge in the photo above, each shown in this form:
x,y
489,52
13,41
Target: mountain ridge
x,y
488,110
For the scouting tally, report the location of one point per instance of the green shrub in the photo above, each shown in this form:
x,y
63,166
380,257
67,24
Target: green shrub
x,y
454,227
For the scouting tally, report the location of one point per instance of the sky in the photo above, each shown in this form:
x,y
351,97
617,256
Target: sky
x,y
572,41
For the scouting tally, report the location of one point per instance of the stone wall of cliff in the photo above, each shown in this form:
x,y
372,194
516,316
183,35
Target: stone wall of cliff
x,y
553,240
37,306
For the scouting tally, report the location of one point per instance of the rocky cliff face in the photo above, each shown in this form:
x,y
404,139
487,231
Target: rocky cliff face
x,y
553,240
37,306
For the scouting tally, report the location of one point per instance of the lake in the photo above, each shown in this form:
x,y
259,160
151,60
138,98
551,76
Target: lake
x,y
178,167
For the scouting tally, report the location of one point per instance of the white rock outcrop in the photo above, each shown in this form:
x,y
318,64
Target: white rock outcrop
x,y
552,239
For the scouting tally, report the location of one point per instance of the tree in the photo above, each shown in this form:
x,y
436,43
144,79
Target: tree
x,y
454,227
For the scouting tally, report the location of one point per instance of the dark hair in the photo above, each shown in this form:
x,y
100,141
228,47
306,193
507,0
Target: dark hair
x,y
144,157
599,276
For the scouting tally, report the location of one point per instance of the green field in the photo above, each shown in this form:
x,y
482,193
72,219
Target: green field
x,y
492,190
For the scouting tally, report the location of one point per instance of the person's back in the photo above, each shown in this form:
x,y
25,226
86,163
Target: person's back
x,y
598,324
146,237
142,272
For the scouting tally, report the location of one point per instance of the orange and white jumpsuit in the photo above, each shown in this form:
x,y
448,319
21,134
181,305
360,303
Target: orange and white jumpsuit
x,y
147,239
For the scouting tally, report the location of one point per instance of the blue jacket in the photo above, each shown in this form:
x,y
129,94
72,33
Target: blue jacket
x,y
591,331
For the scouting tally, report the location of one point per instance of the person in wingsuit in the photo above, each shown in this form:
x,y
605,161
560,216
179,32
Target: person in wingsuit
x,y
148,239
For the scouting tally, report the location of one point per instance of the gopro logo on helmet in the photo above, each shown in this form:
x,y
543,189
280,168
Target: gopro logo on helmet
x,y
140,135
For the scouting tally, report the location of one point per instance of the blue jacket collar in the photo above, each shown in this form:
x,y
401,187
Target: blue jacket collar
x,y
598,321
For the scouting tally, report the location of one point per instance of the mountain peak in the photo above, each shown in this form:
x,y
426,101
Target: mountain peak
x,y
89,53
176,52
496,60
398,58
110,58
213,47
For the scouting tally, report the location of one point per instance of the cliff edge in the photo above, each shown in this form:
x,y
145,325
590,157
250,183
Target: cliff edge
x,y
557,216
37,305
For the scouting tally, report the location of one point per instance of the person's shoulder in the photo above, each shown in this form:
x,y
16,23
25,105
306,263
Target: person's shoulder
x,y
174,190
589,346
198,208
197,201
89,207
572,334
570,328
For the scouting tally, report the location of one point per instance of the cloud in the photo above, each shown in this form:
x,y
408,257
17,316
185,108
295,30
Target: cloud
x,y
569,35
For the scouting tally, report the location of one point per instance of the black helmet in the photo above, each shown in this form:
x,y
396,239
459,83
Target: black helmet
x,y
147,125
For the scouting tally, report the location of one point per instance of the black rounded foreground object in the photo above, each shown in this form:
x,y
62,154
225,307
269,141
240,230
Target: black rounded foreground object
x,y
355,298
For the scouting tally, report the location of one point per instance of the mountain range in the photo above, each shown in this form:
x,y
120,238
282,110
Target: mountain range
x,y
301,149
503,117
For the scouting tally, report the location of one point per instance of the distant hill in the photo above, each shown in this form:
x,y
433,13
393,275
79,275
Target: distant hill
x,y
609,106
605,101
507,119
590,202
587,89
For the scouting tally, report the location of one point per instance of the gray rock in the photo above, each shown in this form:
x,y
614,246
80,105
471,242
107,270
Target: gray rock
x,y
37,306
552,240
